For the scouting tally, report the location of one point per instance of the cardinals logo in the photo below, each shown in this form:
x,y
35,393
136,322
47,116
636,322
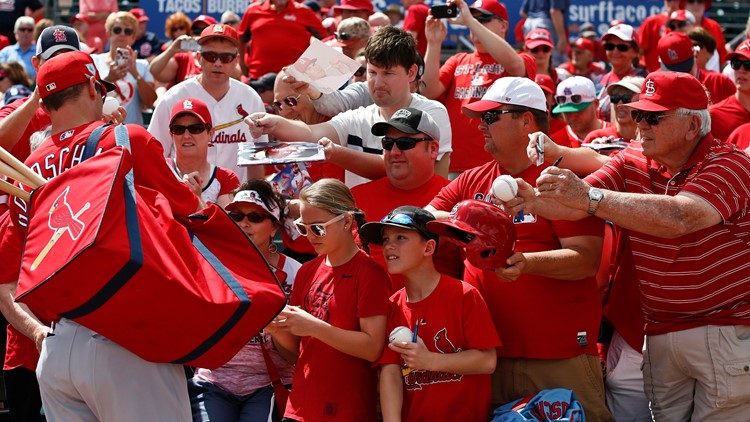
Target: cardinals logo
x,y
241,111
61,220
443,343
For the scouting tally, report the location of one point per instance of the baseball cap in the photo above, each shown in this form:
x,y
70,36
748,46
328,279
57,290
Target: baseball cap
x,y
706,3
253,197
66,70
312,5
393,8
56,38
264,83
622,31
587,30
577,92
665,91
80,17
546,83
682,15
192,106
490,7
204,19
743,51
15,92
219,31
537,37
631,83
351,30
139,14
509,90
585,44
353,5
405,217
676,52
409,120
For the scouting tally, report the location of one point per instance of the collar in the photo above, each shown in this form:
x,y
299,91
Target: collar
x,y
701,151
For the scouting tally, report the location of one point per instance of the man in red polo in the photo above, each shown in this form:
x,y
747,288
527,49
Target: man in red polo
x,y
734,110
683,195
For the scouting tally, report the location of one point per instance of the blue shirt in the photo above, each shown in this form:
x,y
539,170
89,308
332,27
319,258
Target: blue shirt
x,y
13,53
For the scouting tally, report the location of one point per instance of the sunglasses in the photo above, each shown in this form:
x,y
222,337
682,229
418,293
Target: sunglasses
x,y
212,56
677,25
651,118
25,29
620,98
620,47
194,129
542,48
490,117
231,22
197,31
343,36
179,28
695,1
318,229
289,101
117,30
404,143
737,64
360,72
564,99
484,18
253,217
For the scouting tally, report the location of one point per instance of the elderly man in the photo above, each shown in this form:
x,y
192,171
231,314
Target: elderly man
x,y
23,50
552,343
683,195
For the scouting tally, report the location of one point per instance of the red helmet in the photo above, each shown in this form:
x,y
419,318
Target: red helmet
x,y
486,231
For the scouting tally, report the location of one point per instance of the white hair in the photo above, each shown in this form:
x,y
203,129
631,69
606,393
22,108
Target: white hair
x,y
36,138
704,115
229,16
23,20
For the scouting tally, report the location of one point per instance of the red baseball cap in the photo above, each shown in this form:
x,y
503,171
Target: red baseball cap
x,y
66,70
80,17
353,5
743,50
219,31
139,14
204,19
585,44
546,83
666,91
537,37
490,7
676,52
192,106
622,31
681,15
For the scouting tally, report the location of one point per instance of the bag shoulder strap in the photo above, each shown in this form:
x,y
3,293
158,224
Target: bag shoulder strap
x,y
93,141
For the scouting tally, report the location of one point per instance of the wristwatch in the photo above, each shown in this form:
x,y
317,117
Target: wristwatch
x,y
595,197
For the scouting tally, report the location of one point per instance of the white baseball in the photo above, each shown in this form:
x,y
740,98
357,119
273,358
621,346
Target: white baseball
x,y
400,334
505,188
110,105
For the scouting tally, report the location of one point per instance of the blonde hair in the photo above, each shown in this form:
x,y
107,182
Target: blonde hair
x,y
41,26
126,17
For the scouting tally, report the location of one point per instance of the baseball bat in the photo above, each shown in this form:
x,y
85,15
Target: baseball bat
x,y
14,190
35,179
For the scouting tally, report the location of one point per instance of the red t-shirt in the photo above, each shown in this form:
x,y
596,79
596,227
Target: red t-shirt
x,y
416,15
536,317
701,278
594,70
187,67
453,318
271,29
740,136
572,139
727,116
329,384
467,77
651,31
608,130
558,132
717,84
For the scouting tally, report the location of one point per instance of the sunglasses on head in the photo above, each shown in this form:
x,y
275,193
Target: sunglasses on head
x,y
360,72
482,18
652,118
403,143
620,47
737,64
490,117
620,98
318,229
212,57
117,30
194,129
677,25
564,99
253,217
288,101
542,48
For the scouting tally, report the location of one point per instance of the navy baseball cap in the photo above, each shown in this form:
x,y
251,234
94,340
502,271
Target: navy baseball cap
x,y
406,217
56,38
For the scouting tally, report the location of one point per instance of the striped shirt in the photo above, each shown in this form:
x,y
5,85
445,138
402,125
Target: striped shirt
x,y
703,277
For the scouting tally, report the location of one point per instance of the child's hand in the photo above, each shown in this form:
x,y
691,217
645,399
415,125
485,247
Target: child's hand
x,y
298,322
415,355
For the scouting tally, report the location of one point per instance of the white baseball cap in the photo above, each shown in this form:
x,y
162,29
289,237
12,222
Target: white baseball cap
x,y
622,31
509,90
253,197
574,94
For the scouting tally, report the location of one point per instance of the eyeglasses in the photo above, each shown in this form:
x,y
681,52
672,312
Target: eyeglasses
x,y
564,99
651,118
343,36
212,56
482,18
490,117
253,217
360,72
404,143
542,48
25,29
737,64
194,129
620,47
677,25
117,30
289,101
623,98
230,23
179,28
197,31
318,229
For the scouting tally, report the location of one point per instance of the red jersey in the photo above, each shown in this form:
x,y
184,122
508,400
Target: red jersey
x,y
328,384
536,317
453,318
701,278
416,15
593,70
717,84
467,77
187,67
651,31
573,140
727,116
40,121
269,29
558,132
718,33
740,136
606,131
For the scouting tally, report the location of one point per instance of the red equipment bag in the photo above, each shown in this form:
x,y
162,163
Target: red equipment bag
x,y
110,256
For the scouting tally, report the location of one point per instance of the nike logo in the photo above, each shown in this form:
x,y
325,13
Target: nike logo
x,y
347,276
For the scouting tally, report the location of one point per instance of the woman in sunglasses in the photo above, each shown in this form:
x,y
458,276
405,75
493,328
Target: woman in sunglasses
x,y
135,85
337,314
538,43
621,46
241,391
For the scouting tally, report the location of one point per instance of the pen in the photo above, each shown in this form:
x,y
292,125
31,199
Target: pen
x,y
557,161
416,329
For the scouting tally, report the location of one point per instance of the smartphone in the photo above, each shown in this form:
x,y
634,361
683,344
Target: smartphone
x,y
189,45
444,11
122,55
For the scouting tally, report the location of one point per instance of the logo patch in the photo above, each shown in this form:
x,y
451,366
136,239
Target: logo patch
x,y
401,114
60,36
187,105
219,29
672,54
61,220
650,88
67,134
51,87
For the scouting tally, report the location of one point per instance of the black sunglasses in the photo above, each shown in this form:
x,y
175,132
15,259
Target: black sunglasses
x,y
623,98
621,47
212,56
117,30
25,29
482,18
230,23
198,31
652,118
403,143
695,1
737,64
253,217
360,72
179,28
343,36
490,117
677,25
194,129
289,101
543,48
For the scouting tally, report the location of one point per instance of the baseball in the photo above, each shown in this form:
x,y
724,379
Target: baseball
x,y
505,188
400,334
110,105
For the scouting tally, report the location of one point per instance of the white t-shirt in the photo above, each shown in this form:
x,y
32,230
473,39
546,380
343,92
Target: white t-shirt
x,y
227,115
127,87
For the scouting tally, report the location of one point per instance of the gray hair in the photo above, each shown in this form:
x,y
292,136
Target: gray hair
x,y
23,20
704,115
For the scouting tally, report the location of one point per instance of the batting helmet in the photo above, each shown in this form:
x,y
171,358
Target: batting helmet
x,y
486,231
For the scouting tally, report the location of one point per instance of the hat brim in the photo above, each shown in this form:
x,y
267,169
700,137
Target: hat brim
x,y
630,87
684,66
55,48
193,113
586,34
745,54
483,11
648,106
233,40
373,232
536,43
381,128
475,109
570,107
448,228
108,85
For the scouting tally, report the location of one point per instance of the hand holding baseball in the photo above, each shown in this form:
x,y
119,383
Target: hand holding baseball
x,y
415,355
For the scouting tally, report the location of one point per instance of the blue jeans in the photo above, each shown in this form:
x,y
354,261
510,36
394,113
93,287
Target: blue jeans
x,y
210,403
